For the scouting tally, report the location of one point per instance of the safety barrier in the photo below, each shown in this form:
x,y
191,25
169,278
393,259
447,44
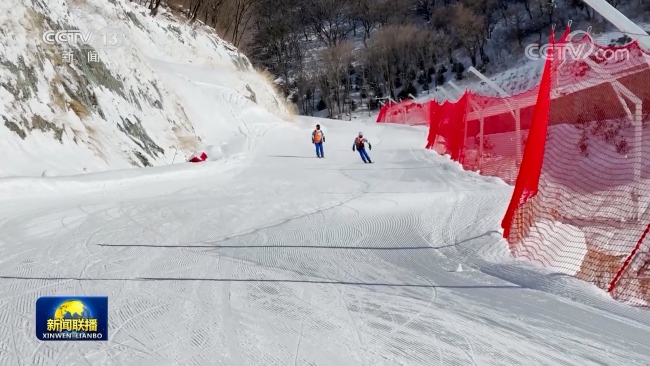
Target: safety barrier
x,y
573,148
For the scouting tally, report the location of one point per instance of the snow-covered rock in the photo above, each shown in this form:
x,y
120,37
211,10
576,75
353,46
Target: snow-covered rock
x,y
167,89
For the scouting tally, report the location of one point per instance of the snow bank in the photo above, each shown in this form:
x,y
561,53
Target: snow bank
x,y
558,246
21,188
167,90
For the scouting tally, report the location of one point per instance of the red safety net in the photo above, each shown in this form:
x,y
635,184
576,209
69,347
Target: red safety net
x,y
572,147
404,112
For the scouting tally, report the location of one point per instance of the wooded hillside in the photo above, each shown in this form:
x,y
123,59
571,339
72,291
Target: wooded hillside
x,y
338,54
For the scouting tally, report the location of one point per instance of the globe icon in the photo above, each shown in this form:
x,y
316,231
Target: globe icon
x,y
72,309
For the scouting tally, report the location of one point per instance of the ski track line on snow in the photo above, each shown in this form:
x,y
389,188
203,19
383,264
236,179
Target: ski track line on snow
x,y
306,297
23,294
284,221
413,333
360,303
194,305
131,318
66,350
16,353
342,293
90,262
372,226
119,297
232,342
362,316
469,354
434,296
25,270
127,213
327,311
404,326
341,296
296,260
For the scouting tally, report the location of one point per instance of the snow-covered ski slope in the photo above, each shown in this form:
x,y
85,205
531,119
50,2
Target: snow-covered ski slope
x,y
275,257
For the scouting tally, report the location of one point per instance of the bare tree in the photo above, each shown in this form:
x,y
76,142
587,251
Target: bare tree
x,y
517,20
373,75
277,40
329,19
426,7
154,5
488,11
198,7
393,54
335,76
236,19
379,58
306,92
527,6
367,14
405,52
469,28
428,43
391,12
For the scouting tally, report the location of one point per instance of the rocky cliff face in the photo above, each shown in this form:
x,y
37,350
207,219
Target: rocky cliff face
x,y
75,107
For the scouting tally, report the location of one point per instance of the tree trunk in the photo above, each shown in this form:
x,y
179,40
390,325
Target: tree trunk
x,y
154,10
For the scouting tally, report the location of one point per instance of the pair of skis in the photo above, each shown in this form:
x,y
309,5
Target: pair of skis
x,y
371,162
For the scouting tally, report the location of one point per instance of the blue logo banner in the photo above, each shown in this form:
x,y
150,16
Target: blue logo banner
x,y
72,318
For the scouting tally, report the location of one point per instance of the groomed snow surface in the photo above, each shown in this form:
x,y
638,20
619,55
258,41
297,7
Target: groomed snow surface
x,y
275,257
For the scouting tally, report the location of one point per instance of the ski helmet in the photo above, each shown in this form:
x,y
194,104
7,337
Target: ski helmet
x,y
360,134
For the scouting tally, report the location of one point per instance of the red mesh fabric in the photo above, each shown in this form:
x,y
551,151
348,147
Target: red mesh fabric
x,y
573,149
452,128
497,150
594,189
590,212
405,112
447,127
520,214
435,110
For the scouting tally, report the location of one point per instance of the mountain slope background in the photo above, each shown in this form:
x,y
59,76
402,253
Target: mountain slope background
x,y
169,89
333,58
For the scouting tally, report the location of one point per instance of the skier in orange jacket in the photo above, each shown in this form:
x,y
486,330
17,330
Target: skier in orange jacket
x,y
317,138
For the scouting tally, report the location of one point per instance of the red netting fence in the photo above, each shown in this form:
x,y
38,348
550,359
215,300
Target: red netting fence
x,y
574,149
404,112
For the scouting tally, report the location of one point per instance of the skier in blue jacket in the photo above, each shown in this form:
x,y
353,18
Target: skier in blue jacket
x,y
359,145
